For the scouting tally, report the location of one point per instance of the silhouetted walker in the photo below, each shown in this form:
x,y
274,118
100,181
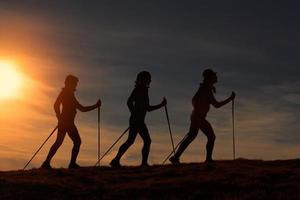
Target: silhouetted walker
x,y
201,103
138,104
66,119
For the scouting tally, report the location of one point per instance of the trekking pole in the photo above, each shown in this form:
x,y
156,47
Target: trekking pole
x,y
167,114
233,131
175,149
111,146
99,134
40,148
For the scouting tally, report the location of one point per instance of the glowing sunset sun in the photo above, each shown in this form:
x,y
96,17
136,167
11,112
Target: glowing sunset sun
x,y
10,79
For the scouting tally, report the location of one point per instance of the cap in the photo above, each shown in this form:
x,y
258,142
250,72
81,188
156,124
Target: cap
x,y
71,79
208,72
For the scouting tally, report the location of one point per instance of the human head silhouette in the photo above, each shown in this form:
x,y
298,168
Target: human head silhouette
x,y
143,79
71,82
210,76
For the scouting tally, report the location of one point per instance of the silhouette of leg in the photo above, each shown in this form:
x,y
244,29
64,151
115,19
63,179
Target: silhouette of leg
x,y
193,132
207,129
61,133
144,133
130,140
74,135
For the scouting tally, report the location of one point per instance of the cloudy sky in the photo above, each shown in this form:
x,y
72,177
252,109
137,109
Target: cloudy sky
x,y
253,45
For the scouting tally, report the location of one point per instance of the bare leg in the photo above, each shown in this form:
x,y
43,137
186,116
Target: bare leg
x,y
74,135
207,129
59,140
193,132
144,133
130,140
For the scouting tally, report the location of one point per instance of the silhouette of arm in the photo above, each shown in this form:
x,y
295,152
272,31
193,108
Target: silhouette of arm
x,y
218,104
87,108
155,107
57,105
194,99
130,101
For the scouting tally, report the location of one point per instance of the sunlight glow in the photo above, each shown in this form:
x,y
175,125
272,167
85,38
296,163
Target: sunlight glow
x,y
10,79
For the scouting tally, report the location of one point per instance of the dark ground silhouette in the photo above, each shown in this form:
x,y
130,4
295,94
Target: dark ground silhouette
x,y
240,179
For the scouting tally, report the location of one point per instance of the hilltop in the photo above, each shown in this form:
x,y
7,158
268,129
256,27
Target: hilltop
x,y
240,179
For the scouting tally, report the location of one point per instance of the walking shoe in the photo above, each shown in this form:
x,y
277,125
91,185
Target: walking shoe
x,y
46,165
174,160
115,163
74,166
209,161
145,165
209,164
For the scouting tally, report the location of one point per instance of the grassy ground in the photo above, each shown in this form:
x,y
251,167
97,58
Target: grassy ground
x,y
240,179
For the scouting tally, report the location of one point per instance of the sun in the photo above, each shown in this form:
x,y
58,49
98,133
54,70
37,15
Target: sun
x,y
10,79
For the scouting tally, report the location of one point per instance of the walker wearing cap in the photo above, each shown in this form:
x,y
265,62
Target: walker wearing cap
x,y
208,72
66,117
201,101
138,104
